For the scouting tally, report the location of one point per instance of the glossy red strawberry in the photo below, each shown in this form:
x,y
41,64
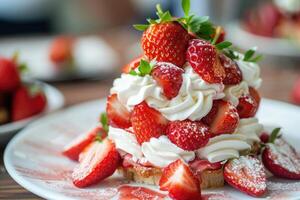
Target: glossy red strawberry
x,y
223,118
204,59
166,42
26,103
188,135
179,180
282,160
61,49
132,65
9,75
147,122
73,149
247,106
233,74
118,115
169,77
246,174
100,161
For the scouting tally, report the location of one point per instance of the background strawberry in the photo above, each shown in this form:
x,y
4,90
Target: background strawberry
x,y
166,42
61,49
169,77
27,101
188,135
204,59
247,174
233,74
9,75
147,122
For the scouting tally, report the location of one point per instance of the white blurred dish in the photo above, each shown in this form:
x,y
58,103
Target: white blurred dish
x,y
93,58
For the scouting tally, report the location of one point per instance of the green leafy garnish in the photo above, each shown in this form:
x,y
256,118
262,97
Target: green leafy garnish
x,y
230,54
223,45
274,135
200,26
186,5
249,56
143,69
104,121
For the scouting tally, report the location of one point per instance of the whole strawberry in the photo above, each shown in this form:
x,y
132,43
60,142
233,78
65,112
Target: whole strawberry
x,y
9,75
188,135
166,42
233,74
204,59
169,77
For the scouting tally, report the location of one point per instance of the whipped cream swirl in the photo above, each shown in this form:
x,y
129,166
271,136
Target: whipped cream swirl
x,y
250,128
251,72
193,102
234,92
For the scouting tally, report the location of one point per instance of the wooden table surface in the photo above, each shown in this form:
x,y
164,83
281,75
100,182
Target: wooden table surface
x,y
277,85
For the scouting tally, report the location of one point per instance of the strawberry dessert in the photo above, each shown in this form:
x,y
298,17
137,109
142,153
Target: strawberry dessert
x,y
182,117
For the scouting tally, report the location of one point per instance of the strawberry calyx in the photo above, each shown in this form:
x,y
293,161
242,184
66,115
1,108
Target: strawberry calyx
x,y
274,135
101,134
144,68
22,67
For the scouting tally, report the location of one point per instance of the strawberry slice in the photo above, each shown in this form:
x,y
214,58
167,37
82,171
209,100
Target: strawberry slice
x,y
169,77
233,74
61,49
73,149
188,135
223,118
132,65
247,106
199,165
282,159
147,122
100,161
179,180
246,174
117,113
204,59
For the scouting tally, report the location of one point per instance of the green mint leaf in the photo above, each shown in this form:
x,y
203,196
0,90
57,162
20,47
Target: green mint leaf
x,y
141,27
186,5
230,53
274,135
256,59
248,55
104,122
144,68
223,45
133,73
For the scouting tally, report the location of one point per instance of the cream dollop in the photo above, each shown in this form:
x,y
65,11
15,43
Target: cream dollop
x,y
193,102
234,92
125,141
161,152
291,6
251,73
250,128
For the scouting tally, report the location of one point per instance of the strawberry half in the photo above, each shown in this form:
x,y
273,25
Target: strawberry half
x,y
100,161
247,174
233,74
147,122
188,135
26,103
61,49
117,113
179,180
166,42
247,106
73,149
204,59
169,77
9,75
282,160
254,93
132,65
223,118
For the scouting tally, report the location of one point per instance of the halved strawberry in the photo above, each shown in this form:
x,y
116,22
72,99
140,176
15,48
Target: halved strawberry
x,y
204,59
73,149
246,174
132,65
254,93
147,122
118,115
169,77
247,106
179,180
188,135
100,161
166,42
233,74
61,49
223,118
282,160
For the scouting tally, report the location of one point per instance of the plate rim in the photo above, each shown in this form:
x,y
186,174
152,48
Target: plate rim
x,y
41,191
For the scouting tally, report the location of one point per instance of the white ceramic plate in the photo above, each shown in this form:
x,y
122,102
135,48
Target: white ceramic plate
x,y
33,158
55,101
268,46
93,57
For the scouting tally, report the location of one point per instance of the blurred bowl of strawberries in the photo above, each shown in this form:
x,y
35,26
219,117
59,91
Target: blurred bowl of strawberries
x,y
22,100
